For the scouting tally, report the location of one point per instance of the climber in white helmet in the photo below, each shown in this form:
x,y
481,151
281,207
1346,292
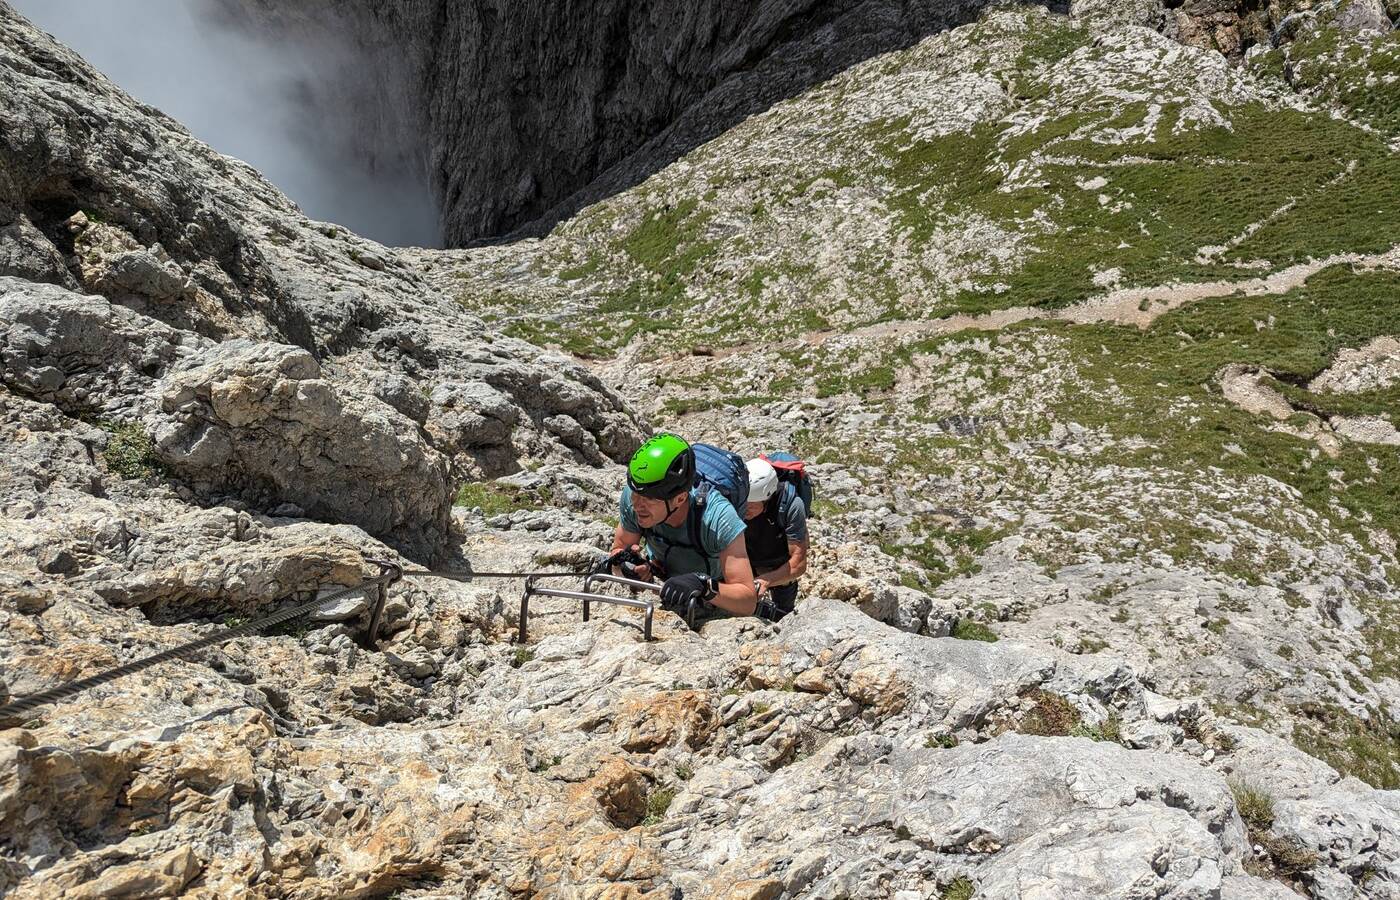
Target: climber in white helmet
x,y
776,534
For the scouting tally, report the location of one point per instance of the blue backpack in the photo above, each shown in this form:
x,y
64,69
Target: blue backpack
x,y
792,470
718,469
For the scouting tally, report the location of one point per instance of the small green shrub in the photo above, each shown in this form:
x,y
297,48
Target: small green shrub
x,y
493,498
1256,805
957,889
1283,858
658,801
1090,645
130,452
968,630
1110,729
521,656
1051,716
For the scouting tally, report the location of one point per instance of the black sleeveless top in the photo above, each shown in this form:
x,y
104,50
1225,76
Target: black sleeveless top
x,y
766,537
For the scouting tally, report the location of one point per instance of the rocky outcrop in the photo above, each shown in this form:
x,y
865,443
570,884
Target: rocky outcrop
x,y
189,248
1373,367
259,422
1233,26
83,354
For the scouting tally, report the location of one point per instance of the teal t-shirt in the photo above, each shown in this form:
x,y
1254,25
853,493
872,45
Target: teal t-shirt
x,y
719,526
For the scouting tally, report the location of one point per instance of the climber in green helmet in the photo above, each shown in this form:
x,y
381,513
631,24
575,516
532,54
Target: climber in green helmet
x,y
694,537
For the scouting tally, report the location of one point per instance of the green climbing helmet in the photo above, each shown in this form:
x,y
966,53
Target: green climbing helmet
x,y
662,467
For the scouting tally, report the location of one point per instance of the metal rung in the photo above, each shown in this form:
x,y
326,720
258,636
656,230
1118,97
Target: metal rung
x,y
588,598
632,583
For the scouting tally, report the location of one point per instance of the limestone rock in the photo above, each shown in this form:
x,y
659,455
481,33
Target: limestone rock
x,y
1021,478
83,353
259,421
204,245
1361,16
1147,13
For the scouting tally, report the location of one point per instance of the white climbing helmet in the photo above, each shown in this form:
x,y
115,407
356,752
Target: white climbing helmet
x,y
763,480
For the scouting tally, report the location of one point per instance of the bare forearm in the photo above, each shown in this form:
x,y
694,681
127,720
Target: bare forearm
x,y
781,575
622,538
793,569
737,599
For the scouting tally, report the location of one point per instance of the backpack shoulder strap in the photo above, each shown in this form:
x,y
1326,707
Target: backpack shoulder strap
x,y
696,518
776,506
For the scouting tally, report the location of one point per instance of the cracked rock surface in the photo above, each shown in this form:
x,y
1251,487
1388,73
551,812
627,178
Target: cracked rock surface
x,y
1089,613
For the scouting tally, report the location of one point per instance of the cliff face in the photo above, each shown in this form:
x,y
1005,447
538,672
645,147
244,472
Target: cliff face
x,y
518,114
521,105
181,249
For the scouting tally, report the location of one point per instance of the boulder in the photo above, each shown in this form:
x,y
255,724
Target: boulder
x,y
258,421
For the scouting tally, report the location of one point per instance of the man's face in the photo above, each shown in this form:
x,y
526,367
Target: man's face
x,y
650,511
752,509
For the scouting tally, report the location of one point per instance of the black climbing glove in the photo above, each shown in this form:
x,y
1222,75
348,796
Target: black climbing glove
x,y
678,590
625,559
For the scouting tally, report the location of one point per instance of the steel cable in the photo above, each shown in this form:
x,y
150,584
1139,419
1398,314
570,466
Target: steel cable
x,y
471,576
392,573
59,692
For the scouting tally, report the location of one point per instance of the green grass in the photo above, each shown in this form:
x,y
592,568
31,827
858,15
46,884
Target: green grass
x,y
1377,402
1110,729
588,267
1164,375
942,552
495,498
1049,42
1368,750
1353,74
668,239
968,630
129,452
957,889
658,801
1283,858
1199,187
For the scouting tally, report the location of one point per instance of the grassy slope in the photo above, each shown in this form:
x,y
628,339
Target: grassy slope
x,y
867,222
872,220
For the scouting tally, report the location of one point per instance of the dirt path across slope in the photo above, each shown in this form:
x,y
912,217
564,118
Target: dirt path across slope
x,y
1138,306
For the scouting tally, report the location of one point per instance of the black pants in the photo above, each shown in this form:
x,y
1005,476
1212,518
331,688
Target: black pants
x,y
785,596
